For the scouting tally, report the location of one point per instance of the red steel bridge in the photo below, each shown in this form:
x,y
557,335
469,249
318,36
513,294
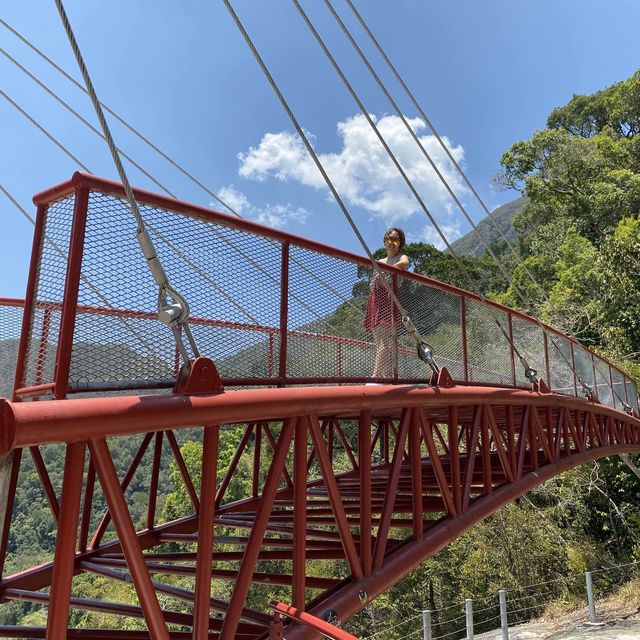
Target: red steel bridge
x,y
371,480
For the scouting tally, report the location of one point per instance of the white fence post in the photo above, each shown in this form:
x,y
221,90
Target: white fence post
x,y
504,620
426,625
468,609
590,600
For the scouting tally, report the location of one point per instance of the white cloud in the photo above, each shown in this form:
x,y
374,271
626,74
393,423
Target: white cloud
x,y
429,234
362,172
277,216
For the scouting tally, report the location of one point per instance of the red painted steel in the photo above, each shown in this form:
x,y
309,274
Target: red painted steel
x,y
205,533
126,534
71,287
327,630
29,304
66,542
429,463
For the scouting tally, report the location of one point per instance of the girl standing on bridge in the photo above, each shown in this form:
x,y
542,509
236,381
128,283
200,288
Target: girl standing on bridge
x,y
381,316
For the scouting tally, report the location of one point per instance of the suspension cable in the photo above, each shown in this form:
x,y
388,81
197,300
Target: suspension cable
x,y
435,133
530,373
586,388
36,124
84,121
161,186
418,142
122,121
84,278
444,181
424,351
173,309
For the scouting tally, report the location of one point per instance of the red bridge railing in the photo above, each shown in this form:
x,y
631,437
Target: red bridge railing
x,y
268,307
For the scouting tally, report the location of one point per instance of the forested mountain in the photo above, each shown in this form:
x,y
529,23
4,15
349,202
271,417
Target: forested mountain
x,y
577,230
471,245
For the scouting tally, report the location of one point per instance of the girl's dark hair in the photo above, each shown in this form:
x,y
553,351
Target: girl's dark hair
x,y
400,233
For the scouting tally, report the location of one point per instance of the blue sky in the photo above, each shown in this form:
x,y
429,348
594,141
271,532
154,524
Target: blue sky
x,y
487,74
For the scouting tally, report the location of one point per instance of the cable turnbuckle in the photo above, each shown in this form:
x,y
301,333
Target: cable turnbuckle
x,y
425,353
531,374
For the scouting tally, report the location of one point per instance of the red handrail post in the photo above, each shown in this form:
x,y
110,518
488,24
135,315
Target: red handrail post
x,y
511,351
284,313
71,289
463,329
29,303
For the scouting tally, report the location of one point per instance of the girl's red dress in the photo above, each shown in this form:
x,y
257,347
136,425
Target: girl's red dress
x,y
379,308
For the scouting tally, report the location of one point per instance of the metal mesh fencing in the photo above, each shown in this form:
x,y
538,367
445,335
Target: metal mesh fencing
x,y
529,339
10,324
49,292
618,389
230,278
583,366
335,324
561,365
489,353
632,394
438,318
326,306
604,387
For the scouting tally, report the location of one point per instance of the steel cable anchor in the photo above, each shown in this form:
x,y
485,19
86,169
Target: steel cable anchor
x,y
197,374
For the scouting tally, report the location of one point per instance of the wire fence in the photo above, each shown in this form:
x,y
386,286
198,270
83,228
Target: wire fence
x,y
497,614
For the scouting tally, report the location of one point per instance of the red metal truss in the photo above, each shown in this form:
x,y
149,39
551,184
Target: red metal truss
x,y
369,480
373,479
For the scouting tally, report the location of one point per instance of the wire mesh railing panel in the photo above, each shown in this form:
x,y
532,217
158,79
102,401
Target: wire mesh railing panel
x,y
632,394
340,322
619,391
604,387
583,366
107,346
529,340
50,278
10,323
561,365
326,311
489,353
437,317
230,278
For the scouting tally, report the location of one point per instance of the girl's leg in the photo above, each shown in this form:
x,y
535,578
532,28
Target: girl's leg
x,y
377,338
383,335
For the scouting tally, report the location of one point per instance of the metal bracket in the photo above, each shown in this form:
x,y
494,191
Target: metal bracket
x,y
540,386
442,379
199,376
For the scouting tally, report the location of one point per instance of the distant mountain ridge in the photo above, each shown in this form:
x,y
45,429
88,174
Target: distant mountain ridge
x,y
471,245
